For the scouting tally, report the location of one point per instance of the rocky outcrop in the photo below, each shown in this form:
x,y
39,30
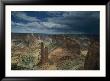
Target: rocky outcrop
x,y
44,53
92,58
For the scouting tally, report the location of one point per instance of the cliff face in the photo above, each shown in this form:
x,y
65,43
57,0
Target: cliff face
x,y
92,58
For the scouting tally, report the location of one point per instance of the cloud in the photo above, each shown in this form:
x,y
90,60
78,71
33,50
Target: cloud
x,y
35,26
28,25
24,16
83,21
58,22
75,16
53,25
55,13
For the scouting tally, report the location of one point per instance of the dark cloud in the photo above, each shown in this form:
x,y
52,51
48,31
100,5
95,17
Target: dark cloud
x,y
59,21
83,21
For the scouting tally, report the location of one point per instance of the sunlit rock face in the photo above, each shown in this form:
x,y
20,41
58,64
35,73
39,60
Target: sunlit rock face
x,y
84,45
84,52
92,58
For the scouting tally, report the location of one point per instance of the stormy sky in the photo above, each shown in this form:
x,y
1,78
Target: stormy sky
x,y
55,22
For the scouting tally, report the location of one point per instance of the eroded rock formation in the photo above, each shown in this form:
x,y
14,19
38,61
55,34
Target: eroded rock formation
x,y
44,53
92,58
